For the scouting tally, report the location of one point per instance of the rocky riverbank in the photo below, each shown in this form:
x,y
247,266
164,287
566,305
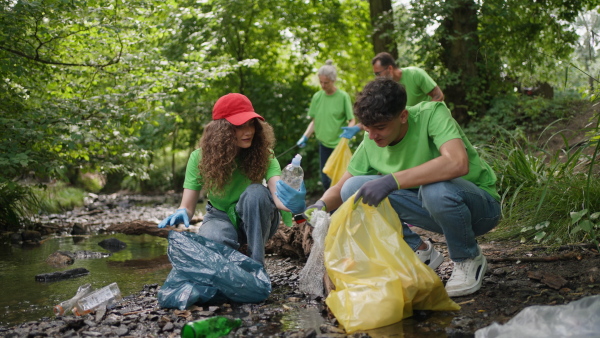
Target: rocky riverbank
x,y
519,276
139,315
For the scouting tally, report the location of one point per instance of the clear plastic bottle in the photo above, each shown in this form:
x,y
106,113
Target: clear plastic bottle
x,y
67,305
100,297
211,327
293,174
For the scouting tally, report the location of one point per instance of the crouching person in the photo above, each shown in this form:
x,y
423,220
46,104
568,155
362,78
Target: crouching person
x,y
234,156
421,160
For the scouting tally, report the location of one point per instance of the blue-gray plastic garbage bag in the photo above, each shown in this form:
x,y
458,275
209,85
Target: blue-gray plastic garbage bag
x,y
205,271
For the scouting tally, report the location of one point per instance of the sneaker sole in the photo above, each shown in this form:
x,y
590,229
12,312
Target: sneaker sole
x,y
474,288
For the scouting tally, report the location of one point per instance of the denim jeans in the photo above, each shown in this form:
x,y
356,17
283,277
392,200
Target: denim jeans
x,y
259,222
457,208
324,153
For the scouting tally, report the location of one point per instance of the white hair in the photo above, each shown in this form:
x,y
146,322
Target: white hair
x,y
328,70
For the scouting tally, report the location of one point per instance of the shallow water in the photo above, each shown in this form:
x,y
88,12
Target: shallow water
x,y
143,261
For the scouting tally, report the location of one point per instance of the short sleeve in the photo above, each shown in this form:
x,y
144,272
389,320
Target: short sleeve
x,y
192,173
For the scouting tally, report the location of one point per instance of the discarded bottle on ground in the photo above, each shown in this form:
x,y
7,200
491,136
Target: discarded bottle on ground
x,y
67,305
293,174
210,328
100,297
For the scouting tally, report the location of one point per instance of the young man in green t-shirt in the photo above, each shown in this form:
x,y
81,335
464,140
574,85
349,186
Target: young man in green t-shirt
x,y
419,86
422,161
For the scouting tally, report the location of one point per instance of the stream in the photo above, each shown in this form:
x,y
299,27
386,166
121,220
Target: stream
x,y
143,261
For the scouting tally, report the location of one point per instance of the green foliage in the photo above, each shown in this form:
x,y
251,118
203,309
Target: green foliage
x,y
503,59
91,183
166,172
58,198
588,224
17,204
515,115
542,191
99,86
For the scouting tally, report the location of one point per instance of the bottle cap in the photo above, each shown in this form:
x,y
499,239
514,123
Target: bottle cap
x,y
296,160
58,310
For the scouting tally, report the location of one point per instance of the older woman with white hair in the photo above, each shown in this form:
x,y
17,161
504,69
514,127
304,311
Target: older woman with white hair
x,y
330,110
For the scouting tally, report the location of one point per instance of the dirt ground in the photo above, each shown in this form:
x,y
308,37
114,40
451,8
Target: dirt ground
x,y
520,276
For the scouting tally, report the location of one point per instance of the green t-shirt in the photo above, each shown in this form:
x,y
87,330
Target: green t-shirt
x,y
417,83
430,125
232,191
331,113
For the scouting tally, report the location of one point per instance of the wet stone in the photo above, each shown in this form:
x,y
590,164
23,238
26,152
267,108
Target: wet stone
x,y
168,327
89,323
112,244
121,331
112,319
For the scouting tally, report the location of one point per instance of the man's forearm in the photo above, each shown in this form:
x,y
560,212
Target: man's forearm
x,y
436,94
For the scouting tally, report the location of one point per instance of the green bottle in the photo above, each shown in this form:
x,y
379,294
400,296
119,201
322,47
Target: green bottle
x,y
213,327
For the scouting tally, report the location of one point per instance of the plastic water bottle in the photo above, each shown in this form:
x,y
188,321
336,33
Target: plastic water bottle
x,y
210,328
94,300
67,305
293,174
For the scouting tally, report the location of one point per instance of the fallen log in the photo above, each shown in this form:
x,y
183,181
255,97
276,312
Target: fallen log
x,y
565,257
139,227
60,275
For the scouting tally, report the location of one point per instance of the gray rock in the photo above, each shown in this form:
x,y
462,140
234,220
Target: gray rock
x,y
59,258
31,236
112,244
80,229
60,275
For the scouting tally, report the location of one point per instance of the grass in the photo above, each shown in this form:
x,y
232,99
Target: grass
x,y
549,197
541,213
17,204
59,197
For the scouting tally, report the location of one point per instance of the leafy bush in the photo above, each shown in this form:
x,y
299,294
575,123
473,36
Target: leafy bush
x,y
17,203
516,115
59,197
165,173
542,191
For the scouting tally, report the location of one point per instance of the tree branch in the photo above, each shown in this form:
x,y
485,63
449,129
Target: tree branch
x,y
37,58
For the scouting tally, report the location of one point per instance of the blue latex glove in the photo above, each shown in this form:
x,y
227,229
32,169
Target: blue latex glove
x,y
302,141
292,199
180,216
373,192
319,205
349,132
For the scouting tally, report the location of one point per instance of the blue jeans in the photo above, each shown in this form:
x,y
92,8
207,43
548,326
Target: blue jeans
x,y
324,153
260,220
457,208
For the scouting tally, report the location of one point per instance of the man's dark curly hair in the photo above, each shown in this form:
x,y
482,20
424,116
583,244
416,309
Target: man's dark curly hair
x,y
380,101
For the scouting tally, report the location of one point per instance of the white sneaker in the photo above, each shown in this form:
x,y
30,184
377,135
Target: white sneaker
x,y
430,256
467,276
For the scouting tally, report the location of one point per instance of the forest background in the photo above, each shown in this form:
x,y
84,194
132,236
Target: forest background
x,y
105,96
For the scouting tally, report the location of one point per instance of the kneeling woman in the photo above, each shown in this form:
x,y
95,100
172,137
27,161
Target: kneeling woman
x,y
234,156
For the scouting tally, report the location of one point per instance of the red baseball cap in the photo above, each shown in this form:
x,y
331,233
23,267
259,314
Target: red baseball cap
x,y
235,108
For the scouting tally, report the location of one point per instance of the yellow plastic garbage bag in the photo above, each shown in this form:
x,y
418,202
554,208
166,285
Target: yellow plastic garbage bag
x,y
378,278
338,161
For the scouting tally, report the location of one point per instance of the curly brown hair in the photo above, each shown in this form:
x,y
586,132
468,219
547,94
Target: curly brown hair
x,y
221,156
381,100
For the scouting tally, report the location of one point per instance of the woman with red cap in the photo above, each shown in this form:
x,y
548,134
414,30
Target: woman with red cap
x,y
235,154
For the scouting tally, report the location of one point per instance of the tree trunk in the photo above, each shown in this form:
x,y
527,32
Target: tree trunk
x,y
460,43
383,27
